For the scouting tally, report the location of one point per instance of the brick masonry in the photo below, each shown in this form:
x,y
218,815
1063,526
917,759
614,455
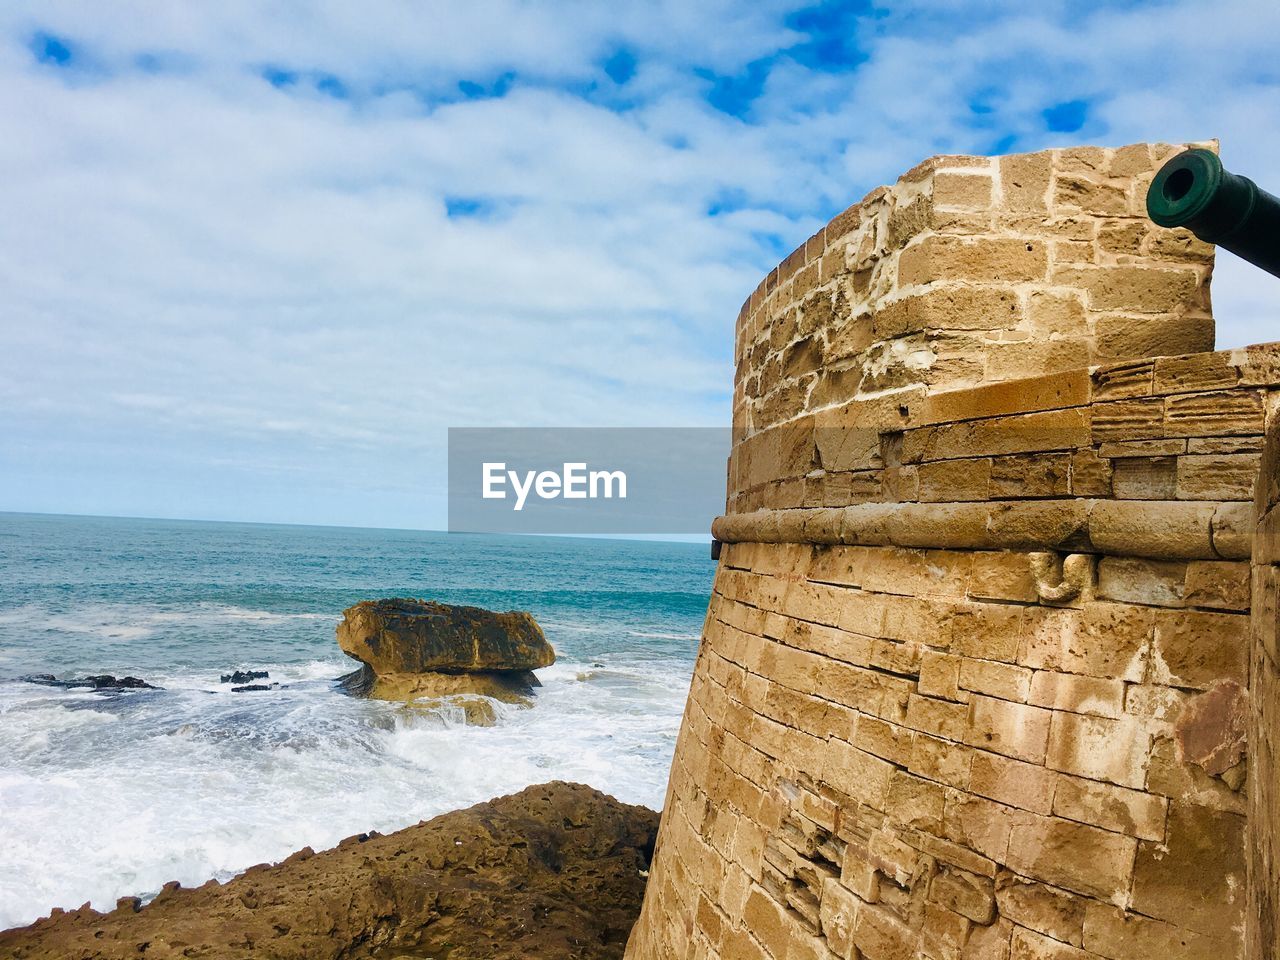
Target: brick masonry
x,y
973,680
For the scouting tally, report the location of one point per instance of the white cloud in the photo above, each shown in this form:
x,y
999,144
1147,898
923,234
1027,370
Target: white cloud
x,y
226,299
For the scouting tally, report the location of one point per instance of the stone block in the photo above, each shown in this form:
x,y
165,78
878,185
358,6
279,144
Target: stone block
x,y
1122,336
1144,478
1012,782
1041,908
1221,413
1223,477
962,189
1073,856
1003,575
838,914
948,481
1104,640
1012,729
1036,475
967,894
1028,945
940,760
1197,649
1075,693
1100,748
1196,877
941,257
916,802
1110,807
947,307
1133,289
1218,585
1024,181
1113,933
1134,580
939,675
1006,681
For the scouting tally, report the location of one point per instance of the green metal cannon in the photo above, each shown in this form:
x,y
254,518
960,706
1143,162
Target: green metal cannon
x,y
1193,190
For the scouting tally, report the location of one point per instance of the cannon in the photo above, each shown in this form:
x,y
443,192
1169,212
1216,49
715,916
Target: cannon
x,y
1195,191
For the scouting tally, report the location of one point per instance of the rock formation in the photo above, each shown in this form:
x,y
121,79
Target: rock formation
x,y
96,682
555,871
421,649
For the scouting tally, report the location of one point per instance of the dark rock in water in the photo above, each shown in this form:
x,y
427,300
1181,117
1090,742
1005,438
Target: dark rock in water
x,y
254,686
98,682
245,676
556,870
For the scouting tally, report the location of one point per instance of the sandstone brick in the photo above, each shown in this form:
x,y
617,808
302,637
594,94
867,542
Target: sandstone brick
x,y
1217,585
1020,359
945,932
983,826
947,481
1012,782
880,935
991,677
991,631
1100,748
1113,933
916,802
1028,945
1024,181
838,915
856,772
939,675
1131,812
1005,575
947,307
1144,478
1134,580
1091,194
1219,413
940,257
964,893
1196,877
970,191
1031,476
1012,729
939,718
1198,649
1225,477
1122,336
1073,856
940,760
1077,694
1105,640
1041,908
1134,289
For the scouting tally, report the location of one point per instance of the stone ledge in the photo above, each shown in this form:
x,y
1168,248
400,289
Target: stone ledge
x,y
1160,529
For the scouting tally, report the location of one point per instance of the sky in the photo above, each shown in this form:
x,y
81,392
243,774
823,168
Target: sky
x,y
256,258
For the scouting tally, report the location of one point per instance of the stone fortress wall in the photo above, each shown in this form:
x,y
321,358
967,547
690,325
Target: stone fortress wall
x,y
974,677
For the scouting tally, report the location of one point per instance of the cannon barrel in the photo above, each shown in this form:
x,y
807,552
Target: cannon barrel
x,y
1193,190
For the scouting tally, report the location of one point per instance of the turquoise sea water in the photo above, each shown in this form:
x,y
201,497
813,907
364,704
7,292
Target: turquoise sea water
x,y
103,796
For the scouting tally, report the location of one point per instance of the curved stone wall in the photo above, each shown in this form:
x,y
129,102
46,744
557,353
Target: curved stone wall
x,y
972,680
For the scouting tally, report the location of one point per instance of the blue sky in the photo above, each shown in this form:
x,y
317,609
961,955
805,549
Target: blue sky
x,y
255,263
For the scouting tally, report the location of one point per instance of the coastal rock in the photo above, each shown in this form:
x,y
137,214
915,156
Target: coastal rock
x,y
427,653
418,636
98,682
557,870
245,676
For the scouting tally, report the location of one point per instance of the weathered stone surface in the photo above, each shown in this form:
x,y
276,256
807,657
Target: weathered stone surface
x,y
1033,590
417,636
553,871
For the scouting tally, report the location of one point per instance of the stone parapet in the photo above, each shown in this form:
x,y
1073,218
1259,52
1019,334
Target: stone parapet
x,y
971,270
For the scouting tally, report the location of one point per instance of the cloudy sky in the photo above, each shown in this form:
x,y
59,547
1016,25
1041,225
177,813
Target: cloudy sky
x,y
257,257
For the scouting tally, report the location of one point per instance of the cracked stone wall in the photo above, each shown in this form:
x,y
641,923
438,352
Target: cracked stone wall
x,y
972,682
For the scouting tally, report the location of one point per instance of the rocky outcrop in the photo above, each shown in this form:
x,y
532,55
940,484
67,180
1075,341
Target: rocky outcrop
x,y
96,682
421,649
557,870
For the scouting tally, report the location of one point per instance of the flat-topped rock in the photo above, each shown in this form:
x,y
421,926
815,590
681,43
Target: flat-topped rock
x,y
399,636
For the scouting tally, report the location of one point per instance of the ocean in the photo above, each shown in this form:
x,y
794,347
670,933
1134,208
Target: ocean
x,y
108,795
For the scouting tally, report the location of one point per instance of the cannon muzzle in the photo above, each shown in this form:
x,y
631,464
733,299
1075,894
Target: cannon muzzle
x,y
1193,190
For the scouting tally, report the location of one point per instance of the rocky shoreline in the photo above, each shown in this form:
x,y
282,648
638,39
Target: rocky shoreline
x,y
555,871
